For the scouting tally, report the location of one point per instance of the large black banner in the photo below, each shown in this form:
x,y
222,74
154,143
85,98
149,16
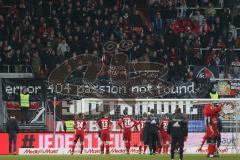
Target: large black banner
x,y
12,88
40,89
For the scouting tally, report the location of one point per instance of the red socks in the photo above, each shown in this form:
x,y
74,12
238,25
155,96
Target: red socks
x,y
145,148
160,149
127,144
140,149
165,148
157,148
73,147
81,149
211,149
107,149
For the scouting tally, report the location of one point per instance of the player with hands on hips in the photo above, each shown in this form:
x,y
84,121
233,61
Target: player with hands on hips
x,y
105,127
142,130
126,123
79,126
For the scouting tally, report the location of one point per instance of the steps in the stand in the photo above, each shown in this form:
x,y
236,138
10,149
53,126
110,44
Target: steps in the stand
x,y
32,128
37,127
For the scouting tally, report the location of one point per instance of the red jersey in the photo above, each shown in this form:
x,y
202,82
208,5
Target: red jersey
x,y
209,111
104,123
163,126
211,115
80,125
140,124
127,122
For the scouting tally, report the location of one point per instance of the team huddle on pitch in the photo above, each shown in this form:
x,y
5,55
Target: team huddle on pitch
x,y
155,132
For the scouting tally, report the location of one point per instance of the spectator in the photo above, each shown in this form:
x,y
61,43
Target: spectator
x,y
171,12
236,68
237,45
158,24
63,50
196,59
43,31
199,17
217,28
230,42
232,30
230,56
173,56
12,130
182,71
36,63
210,12
136,20
236,20
220,43
171,72
18,60
226,18
183,9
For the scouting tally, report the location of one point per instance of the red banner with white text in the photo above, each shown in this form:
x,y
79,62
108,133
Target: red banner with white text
x,y
43,143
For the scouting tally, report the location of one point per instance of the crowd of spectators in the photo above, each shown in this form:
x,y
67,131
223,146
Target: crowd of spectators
x,y
44,33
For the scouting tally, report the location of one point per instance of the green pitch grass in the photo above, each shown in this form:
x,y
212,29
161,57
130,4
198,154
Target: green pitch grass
x,y
116,157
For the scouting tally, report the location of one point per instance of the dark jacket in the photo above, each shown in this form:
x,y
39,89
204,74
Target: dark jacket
x,y
12,126
219,124
152,123
178,126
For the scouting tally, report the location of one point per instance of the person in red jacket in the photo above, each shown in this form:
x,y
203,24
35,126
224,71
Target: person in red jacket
x,y
211,112
127,123
105,126
79,126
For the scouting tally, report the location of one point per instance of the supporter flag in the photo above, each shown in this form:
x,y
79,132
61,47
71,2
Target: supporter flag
x,y
201,72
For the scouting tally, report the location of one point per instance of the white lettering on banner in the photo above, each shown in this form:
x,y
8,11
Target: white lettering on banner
x,y
93,141
39,151
15,89
162,107
72,108
52,151
99,141
89,140
68,140
40,141
92,144
133,150
146,106
59,140
222,150
48,141
93,151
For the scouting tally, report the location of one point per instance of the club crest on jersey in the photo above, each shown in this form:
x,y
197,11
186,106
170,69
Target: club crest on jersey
x,y
176,124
